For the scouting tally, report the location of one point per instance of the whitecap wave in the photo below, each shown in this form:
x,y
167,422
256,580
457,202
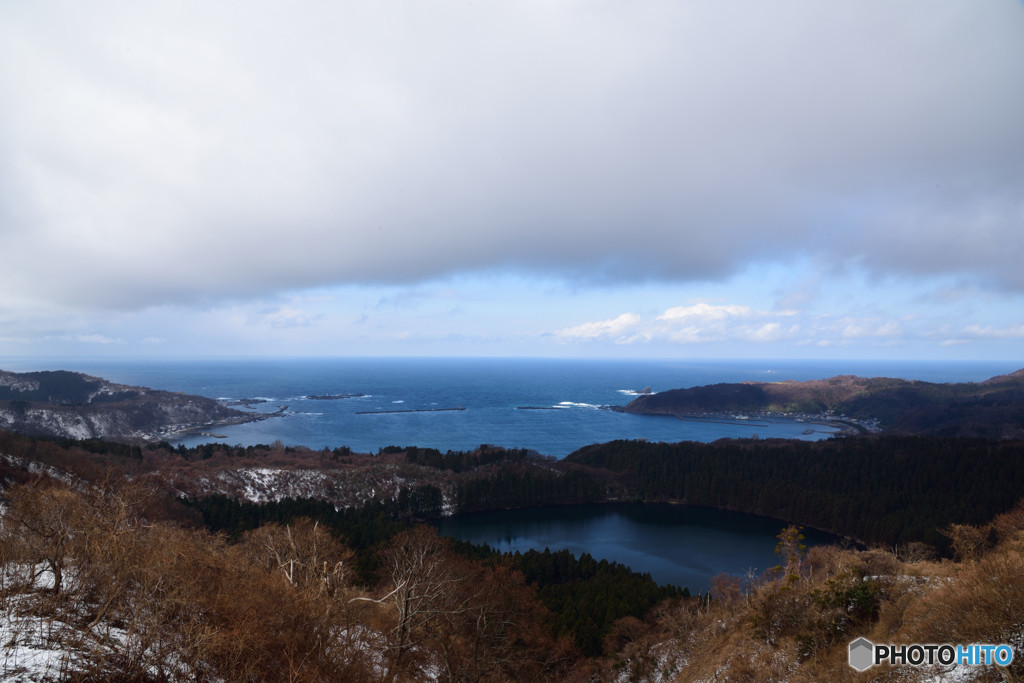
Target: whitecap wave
x,y
573,404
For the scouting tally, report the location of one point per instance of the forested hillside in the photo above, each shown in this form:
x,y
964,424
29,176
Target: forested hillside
x,y
875,489
991,409
878,489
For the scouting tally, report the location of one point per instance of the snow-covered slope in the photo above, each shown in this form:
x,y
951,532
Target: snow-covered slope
x,y
77,406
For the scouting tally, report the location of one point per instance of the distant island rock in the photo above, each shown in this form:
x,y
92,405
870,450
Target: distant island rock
x,y
74,405
993,408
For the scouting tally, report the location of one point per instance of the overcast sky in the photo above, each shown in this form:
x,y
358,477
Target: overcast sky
x,y
690,178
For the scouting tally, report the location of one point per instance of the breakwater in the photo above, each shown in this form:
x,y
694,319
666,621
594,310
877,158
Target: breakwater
x,y
408,410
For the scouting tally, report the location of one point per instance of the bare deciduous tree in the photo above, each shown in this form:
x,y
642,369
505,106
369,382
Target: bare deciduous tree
x,y
304,553
44,517
423,579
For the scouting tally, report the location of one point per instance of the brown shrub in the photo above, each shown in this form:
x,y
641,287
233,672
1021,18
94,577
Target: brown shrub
x,y
983,604
778,610
824,561
915,551
726,590
877,562
968,541
151,600
1009,524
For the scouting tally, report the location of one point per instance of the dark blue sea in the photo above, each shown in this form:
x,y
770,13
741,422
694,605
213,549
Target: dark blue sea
x,y
551,406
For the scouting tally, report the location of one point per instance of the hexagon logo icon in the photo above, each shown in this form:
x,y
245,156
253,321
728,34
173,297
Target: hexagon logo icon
x,y
862,654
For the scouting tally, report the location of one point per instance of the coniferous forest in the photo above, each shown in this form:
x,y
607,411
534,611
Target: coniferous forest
x,y
879,490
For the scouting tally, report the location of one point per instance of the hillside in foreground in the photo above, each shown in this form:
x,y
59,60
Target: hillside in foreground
x,y
990,409
107,577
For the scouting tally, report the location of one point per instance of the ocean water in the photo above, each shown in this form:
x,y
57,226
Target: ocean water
x,y
410,401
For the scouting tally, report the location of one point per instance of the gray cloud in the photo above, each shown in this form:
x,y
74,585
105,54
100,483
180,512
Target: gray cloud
x,y
185,151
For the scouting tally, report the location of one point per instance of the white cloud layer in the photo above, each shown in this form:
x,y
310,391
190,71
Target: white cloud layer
x,y
700,323
199,154
395,141
725,325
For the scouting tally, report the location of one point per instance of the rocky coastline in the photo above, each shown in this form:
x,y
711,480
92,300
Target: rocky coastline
x,y
77,406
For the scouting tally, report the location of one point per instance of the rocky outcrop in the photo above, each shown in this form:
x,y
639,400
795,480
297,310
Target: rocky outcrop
x,y
77,406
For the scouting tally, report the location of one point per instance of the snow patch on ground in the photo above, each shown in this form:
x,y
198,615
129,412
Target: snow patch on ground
x,y
668,662
17,382
35,467
33,645
266,484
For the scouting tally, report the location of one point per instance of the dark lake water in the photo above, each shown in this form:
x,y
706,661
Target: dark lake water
x,y
676,544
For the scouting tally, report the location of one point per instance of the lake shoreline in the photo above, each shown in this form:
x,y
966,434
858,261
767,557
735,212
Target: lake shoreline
x,y
676,544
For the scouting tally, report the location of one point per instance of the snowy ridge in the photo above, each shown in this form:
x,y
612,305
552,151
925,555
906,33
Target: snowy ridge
x,y
264,484
341,487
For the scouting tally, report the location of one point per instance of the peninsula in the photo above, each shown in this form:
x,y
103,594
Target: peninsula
x,y
74,405
991,409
